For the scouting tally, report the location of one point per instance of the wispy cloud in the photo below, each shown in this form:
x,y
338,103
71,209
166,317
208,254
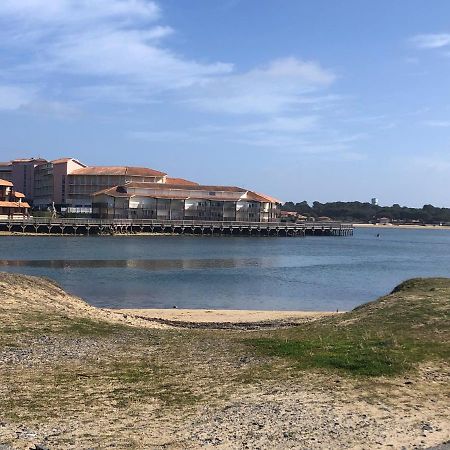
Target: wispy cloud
x,y
438,123
71,54
434,163
15,97
281,85
105,42
431,41
118,50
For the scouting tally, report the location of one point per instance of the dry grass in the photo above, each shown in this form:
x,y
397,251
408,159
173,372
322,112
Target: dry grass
x,y
80,377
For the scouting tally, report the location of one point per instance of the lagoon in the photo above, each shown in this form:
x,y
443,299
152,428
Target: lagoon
x,y
275,273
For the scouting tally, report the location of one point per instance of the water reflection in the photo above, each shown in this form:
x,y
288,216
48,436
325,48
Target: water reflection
x,y
144,264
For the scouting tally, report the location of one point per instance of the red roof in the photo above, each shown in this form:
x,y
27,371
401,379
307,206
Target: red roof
x,y
19,195
262,197
29,160
118,170
14,204
65,160
252,196
180,181
5,183
193,187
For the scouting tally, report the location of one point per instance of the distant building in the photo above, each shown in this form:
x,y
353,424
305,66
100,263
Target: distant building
x,y
132,192
84,182
22,175
374,201
384,220
50,179
6,171
293,216
184,202
12,203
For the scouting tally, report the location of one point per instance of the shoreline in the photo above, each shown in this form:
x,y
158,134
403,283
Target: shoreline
x,y
401,227
194,317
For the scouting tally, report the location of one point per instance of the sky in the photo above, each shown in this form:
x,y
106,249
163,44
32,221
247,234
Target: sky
x,y
303,100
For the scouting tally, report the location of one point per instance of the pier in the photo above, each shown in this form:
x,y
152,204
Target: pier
x,y
87,226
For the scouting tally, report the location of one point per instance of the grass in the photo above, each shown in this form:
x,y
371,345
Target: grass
x,y
91,369
382,338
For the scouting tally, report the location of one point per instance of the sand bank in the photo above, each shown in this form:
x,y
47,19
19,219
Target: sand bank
x,y
222,315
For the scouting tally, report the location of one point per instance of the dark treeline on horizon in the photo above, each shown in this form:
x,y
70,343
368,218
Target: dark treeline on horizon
x,y
366,212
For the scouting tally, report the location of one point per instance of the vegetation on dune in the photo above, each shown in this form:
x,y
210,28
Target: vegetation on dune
x,y
366,212
384,337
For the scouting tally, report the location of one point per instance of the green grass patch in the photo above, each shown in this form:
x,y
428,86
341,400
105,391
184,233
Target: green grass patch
x,y
382,338
373,358
85,327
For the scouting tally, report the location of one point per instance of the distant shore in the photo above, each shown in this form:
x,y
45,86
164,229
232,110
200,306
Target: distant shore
x,y
404,227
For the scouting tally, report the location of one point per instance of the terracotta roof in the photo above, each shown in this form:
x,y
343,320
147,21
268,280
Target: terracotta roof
x,y
5,183
19,194
114,192
64,160
180,181
14,204
262,197
119,191
118,170
5,163
173,197
193,187
25,160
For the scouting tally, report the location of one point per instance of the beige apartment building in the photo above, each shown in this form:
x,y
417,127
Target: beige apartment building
x,y
50,181
71,187
184,202
84,182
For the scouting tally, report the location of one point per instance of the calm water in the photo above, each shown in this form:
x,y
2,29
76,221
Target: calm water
x,y
231,272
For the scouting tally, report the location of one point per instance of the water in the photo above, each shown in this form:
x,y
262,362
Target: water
x,y
313,273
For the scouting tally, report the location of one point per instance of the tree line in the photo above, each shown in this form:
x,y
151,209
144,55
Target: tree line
x,y
366,212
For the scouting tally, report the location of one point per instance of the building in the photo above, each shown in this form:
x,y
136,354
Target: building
x,y
384,221
6,171
12,203
131,192
374,201
22,175
50,182
84,182
188,201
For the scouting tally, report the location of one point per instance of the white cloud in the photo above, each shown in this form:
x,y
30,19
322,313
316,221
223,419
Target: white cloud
x,y
67,12
101,42
438,123
430,41
13,97
50,108
434,163
117,51
285,124
279,86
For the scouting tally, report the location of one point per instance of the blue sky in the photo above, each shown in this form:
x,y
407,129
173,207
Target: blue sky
x,y
316,100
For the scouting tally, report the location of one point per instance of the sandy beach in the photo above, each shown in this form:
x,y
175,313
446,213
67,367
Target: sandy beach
x,y
223,315
401,227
